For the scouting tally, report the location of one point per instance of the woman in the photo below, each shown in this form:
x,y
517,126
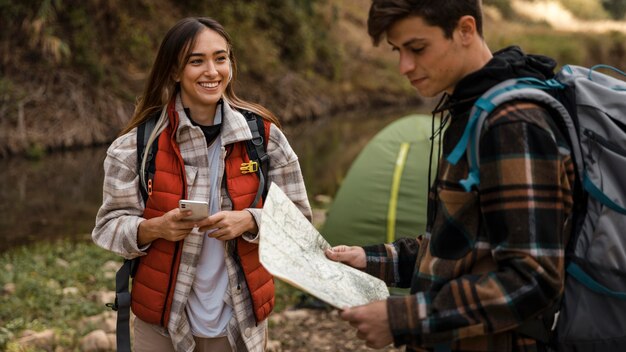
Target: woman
x,y
191,291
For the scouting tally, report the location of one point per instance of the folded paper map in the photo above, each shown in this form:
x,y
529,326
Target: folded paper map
x,y
291,249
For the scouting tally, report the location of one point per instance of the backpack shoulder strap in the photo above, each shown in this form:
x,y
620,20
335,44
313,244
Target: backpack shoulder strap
x,y
143,135
122,303
257,151
527,89
128,269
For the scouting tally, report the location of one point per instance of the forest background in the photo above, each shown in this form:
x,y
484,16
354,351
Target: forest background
x,y
71,70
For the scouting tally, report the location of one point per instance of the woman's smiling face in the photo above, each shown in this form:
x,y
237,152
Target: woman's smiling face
x,y
205,75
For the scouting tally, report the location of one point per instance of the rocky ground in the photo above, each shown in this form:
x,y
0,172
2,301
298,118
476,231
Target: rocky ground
x,y
314,330
291,330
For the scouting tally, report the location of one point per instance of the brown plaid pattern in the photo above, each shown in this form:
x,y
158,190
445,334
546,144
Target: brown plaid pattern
x,y
494,256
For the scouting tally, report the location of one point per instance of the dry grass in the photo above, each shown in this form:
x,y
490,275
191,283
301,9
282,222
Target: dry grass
x,y
562,19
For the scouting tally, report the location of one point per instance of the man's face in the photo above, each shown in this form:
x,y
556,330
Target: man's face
x,y
432,62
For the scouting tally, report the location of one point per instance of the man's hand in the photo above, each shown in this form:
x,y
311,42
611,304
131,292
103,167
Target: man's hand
x,y
371,322
353,256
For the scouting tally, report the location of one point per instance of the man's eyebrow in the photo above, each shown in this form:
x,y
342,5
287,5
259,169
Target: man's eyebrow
x,y
408,42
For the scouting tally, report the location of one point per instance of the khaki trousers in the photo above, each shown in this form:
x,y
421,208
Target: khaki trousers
x,y
148,340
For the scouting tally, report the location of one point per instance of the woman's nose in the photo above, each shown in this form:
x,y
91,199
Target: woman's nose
x,y
210,69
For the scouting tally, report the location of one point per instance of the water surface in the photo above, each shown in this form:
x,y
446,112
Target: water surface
x,y
59,195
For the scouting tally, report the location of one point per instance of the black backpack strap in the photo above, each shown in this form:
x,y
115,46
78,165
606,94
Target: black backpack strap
x,y
256,148
143,135
122,303
128,269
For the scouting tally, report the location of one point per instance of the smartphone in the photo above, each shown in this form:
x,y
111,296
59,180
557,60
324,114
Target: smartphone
x,y
200,209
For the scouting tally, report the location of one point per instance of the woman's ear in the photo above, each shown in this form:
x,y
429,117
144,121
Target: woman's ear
x,y
175,76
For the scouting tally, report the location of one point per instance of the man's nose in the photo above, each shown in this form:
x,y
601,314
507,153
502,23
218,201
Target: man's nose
x,y
406,64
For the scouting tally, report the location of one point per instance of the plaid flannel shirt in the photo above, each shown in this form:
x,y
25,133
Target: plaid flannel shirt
x,y
494,256
122,209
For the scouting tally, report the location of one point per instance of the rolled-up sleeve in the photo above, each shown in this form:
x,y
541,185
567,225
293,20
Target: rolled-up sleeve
x,y
122,206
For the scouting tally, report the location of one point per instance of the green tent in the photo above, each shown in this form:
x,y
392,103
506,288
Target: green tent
x,y
384,193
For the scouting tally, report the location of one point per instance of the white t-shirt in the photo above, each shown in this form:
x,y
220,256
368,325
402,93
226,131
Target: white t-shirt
x,y
207,311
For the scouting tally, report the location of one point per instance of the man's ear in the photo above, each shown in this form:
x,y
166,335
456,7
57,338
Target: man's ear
x,y
466,29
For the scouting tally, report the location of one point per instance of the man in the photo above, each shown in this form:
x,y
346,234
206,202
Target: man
x,y
492,259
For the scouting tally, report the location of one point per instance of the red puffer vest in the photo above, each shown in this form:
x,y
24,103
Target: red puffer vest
x,y
155,279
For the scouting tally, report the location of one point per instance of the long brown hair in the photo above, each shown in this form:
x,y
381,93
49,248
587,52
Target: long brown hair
x,y
170,61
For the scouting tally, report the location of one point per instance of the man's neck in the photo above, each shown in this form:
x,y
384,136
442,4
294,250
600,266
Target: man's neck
x,y
482,57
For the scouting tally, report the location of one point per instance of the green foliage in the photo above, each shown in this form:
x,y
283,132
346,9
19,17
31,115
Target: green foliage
x,y
567,48
617,8
586,9
91,36
36,35
83,37
286,295
6,86
10,9
504,6
568,51
36,151
275,34
103,39
5,337
583,9
39,277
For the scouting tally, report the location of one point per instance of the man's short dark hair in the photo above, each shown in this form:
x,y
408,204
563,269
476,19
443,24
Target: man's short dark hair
x,y
444,14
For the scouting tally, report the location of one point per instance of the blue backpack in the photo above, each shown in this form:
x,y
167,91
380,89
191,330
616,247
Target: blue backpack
x,y
589,109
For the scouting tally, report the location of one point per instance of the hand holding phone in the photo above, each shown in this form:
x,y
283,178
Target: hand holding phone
x,y
199,209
